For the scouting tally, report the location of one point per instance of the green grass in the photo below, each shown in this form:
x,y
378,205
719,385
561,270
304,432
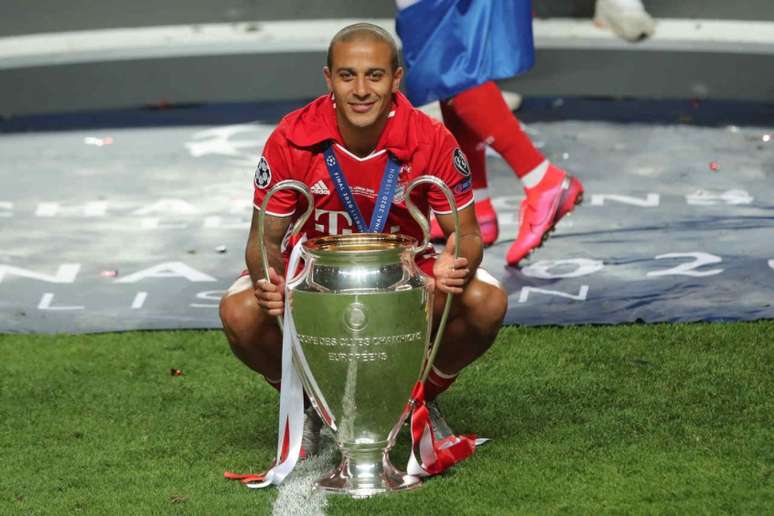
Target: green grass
x,y
664,419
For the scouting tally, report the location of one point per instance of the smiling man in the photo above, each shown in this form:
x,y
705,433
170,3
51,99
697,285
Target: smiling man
x,y
365,125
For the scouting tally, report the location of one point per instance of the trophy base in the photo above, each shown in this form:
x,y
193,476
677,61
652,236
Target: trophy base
x,y
363,474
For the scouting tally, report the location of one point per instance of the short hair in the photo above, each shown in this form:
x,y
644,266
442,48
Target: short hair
x,y
364,30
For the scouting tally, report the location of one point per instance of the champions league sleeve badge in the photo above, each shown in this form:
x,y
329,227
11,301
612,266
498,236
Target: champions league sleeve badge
x,y
262,174
460,162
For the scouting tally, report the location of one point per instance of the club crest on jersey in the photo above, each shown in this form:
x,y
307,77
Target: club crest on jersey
x,y
262,174
400,193
461,163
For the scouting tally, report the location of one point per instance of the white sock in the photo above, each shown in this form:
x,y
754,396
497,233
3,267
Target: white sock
x,y
481,194
532,178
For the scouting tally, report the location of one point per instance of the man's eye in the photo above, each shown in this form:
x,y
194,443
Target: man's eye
x,y
376,76
345,76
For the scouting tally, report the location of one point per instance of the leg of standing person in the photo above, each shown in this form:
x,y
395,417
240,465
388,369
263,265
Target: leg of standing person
x,y
475,150
551,193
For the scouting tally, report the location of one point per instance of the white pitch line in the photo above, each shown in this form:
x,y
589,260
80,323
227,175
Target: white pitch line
x,y
295,496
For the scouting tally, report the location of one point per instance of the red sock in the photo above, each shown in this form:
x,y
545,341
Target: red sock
x,y
483,110
473,147
436,383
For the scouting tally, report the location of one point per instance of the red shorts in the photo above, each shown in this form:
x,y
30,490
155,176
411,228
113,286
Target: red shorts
x,y
425,262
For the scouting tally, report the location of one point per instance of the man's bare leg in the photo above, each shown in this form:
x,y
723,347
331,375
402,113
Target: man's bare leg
x,y
254,336
476,317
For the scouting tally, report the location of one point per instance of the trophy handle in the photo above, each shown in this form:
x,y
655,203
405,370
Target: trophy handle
x,y
425,225
288,184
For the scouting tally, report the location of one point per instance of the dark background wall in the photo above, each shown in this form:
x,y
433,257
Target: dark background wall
x,y
30,16
565,66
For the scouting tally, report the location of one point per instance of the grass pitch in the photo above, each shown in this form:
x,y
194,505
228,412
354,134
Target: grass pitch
x,y
675,419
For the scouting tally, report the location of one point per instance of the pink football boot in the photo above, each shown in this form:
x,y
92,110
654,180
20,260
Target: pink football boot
x,y
543,207
487,222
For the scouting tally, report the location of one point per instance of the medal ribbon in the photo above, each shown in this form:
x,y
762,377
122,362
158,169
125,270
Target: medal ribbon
x,y
383,198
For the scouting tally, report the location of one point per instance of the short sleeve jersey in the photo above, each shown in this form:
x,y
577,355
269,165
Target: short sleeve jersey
x,y
420,144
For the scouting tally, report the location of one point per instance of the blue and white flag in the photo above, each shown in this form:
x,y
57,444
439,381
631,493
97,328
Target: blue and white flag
x,y
450,46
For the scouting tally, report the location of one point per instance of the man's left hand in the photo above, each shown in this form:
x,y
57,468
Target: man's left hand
x,y
450,273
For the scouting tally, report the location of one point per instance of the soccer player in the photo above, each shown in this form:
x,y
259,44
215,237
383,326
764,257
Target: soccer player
x,y
454,51
366,123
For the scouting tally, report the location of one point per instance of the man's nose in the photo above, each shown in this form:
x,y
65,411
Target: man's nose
x,y
361,87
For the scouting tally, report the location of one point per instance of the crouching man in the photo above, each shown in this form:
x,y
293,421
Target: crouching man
x,y
367,124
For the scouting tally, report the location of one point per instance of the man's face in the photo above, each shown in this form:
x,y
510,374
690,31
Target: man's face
x,y
362,81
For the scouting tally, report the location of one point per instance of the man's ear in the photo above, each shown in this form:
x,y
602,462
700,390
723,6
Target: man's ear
x,y
327,76
396,78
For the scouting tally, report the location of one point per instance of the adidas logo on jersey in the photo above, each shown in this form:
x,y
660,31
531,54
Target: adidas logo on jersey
x,y
319,188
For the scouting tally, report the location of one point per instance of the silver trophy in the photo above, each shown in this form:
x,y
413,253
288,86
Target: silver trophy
x,y
363,316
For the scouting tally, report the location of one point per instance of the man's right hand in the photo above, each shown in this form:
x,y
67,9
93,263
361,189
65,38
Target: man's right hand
x,y
271,293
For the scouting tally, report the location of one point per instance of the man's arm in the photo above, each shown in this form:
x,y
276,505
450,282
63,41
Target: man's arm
x,y
274,231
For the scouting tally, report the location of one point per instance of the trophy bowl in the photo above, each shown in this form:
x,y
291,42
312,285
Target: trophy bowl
x,y
363,313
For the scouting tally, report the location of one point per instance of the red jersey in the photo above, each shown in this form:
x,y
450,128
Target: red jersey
x,y
420,144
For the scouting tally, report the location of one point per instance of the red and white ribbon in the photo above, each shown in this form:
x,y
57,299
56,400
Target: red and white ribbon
x,y
291,416
428,456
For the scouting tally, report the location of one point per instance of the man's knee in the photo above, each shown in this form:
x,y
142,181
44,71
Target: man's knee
x,y
240,316
484,304
235,303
